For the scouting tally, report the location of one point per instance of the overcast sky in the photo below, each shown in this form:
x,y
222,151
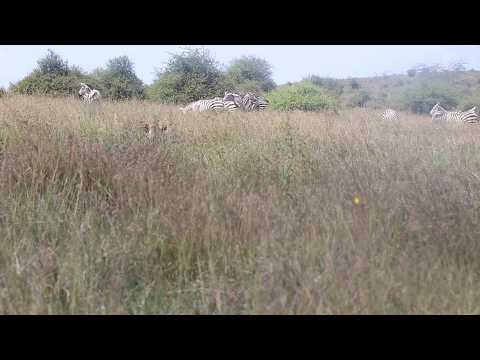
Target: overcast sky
x,y
289,62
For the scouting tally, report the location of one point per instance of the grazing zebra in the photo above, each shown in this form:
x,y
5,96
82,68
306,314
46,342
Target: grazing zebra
x,y
214,104
390,114
469,116
89,95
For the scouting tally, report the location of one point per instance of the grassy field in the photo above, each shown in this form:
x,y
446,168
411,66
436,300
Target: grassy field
x,y
266,213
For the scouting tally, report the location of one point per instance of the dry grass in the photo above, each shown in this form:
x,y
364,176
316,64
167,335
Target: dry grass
x,y
234,213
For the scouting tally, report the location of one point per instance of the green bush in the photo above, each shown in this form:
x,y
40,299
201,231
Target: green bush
x,y
301,96
359,99
54,77
53,85
119,80
188,76
420,98
332,85
250,73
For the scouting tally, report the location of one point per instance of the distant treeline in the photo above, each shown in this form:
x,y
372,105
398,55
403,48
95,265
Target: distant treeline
x,y
194,74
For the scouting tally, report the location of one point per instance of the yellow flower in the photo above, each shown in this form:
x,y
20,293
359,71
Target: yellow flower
x,y
356,200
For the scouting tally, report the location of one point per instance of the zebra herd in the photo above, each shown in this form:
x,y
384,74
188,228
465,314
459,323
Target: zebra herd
x,y
249,101
231,101
438,113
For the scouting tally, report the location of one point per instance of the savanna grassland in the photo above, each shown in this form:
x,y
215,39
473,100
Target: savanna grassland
x,y
253,213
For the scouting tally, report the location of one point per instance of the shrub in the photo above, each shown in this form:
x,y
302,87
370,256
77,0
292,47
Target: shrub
x,y
188,76
53,85
354,84
301,96
422,97
359,99
54,77
250,73
119,80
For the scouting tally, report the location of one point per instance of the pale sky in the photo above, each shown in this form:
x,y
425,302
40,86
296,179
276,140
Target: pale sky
x,y
289,62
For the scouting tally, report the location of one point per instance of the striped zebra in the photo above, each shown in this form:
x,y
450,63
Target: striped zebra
x,y
215,104
438,113
390,115
88,94
263,103
246,101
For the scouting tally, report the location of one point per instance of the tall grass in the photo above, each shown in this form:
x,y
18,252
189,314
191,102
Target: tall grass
x,y
266,213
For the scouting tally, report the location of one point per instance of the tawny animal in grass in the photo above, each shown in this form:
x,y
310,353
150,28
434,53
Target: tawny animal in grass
x,y
153,130
88,94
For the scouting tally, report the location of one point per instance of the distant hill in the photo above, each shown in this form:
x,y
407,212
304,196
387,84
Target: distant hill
x,y
416,91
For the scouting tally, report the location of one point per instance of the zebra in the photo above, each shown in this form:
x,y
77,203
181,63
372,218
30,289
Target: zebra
x,y
263,103
89,95
214,104
246,101
230,106
390,114
439,113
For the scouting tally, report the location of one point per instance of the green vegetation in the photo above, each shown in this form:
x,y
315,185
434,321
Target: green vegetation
x,y
194,74
250,73
417,91
188,76
54,77
301,96
119,80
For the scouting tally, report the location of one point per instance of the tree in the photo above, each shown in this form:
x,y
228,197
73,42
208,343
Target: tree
x,y
412,72
359,99
354,84
119,79
252,73
188,76
52,63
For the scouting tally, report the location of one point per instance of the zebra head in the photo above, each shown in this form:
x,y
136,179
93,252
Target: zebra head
x,y
231,96
437,110
84,90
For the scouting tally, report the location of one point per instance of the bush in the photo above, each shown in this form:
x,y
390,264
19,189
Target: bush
x,y
54,77
421,98
250,73
301,96
359,99
354,84
119,80
332,85
53,85
189,76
